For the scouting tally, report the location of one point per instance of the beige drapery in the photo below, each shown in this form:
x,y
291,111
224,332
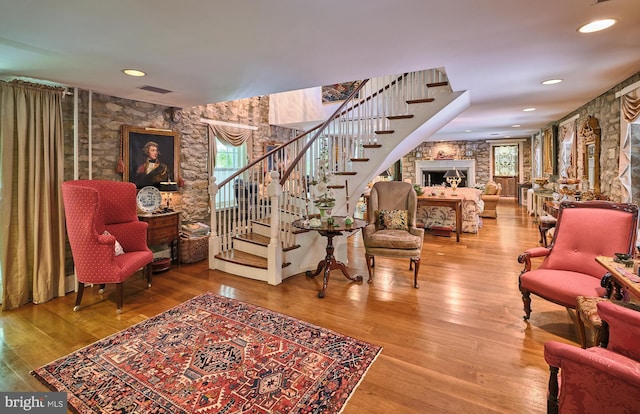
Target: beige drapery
x,y
631,106
32,222
230,135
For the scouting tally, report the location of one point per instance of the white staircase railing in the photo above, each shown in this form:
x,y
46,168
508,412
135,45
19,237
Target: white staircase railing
x,y
281,181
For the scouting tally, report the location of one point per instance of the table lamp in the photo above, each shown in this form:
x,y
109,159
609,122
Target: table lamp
x,y
454,177
167,188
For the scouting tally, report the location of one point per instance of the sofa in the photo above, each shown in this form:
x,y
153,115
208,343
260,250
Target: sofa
x,y
472,207
491,196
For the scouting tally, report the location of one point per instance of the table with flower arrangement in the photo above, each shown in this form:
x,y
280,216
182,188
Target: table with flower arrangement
x,y
329,263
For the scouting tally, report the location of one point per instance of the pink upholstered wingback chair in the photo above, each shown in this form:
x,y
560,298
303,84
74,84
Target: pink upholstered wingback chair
x,y
598,380
91,208
584,230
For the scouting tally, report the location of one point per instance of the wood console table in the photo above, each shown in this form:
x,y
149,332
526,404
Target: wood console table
x,y
164,228
453,202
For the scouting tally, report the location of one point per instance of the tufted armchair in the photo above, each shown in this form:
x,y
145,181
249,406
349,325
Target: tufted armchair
x,y
91,208
598,379
491,196
392,231
584,230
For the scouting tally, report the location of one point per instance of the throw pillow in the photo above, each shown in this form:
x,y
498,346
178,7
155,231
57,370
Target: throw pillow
x,y
491,188
118,247
393,219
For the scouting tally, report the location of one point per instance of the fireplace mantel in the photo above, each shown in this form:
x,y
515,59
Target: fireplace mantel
x,y
443,165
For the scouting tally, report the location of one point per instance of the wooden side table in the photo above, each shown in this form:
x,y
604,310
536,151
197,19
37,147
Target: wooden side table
x,y
164,228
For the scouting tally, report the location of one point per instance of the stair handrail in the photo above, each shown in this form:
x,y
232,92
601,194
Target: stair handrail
x,y
320,128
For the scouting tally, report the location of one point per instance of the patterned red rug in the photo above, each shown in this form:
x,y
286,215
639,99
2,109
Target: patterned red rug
x,y
213,355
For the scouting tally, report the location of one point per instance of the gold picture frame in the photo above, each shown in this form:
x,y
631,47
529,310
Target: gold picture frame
x,y
136,161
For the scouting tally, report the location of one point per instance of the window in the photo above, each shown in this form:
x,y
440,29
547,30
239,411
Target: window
x,y
229,159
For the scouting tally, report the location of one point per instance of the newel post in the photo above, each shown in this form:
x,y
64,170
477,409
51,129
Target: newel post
x,y
214,240
274,250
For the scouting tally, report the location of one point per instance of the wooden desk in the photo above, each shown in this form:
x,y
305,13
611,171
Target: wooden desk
x,y
164,228
453,202
621,277
329,263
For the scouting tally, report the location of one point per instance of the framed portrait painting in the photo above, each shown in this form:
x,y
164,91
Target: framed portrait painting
x,y
549,150
151,155
276,161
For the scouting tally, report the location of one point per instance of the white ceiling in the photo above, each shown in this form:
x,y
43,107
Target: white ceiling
x,y
212,51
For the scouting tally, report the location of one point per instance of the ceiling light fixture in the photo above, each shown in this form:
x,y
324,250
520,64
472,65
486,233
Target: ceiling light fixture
x,y
551,81
467,130
528,109
597,25
515,126
133,72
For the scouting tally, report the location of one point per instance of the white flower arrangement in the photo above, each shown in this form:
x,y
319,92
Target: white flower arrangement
x,y
324,195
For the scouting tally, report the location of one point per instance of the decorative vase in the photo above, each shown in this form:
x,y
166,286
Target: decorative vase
x,y
325,213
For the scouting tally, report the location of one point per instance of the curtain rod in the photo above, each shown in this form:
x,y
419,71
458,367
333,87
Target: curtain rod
x,y
229,124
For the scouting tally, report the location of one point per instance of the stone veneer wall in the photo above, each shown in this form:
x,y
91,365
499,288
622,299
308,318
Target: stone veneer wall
x,y
110,113
606,108
458,149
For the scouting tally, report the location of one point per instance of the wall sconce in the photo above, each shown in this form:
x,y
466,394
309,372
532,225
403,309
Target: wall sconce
x,y
418,154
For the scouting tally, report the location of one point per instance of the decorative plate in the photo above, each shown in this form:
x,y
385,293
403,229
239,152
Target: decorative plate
x,y
149,199
556,196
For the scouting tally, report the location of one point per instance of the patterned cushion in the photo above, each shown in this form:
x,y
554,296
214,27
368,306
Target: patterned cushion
x,y
118,246
393,219
588,310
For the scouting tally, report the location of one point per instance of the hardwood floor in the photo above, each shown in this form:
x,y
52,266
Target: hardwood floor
x,y
457,344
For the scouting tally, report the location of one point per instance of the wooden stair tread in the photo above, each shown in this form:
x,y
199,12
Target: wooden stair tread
x,y
414,101
246,259
267,222
407,116
335,186
384,131
359,159
371,145
261,240
434,84
345,173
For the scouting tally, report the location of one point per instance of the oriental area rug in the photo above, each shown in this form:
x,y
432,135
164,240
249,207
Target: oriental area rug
x,y
213,354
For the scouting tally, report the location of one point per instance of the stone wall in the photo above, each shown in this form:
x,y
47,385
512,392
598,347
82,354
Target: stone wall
x,y
110,113
606,108
478,150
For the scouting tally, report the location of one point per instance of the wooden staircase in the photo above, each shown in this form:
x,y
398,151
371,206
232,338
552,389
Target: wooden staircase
x,y
366,136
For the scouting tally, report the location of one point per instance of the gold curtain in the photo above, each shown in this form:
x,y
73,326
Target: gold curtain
x,y
32,223
630,106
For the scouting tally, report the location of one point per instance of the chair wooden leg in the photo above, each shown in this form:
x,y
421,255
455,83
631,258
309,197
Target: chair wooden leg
x,y
415,260
119,297
101,288
147,274
526,301
552,395
370,263
79,296
581,330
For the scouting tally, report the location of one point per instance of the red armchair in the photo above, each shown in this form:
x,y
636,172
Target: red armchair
x,y
598,379
91,208
584,230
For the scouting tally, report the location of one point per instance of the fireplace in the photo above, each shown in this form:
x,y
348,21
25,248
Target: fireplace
x,y
431,172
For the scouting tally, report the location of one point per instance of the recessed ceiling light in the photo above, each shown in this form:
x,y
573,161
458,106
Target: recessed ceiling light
x,y
515,126
495,133
467,130
133,72
597,25
551,81
528,109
